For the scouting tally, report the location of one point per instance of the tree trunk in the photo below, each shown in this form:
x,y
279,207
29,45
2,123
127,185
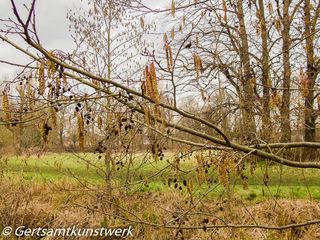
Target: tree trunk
x,y
247,98
266,122
309,112
285,104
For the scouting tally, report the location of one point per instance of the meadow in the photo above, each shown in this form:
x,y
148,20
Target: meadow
x,y
66,189
283,182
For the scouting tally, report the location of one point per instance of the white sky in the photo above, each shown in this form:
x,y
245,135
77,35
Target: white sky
x,y
52,27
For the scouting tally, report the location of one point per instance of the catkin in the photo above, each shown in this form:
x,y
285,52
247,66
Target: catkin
x,y
99,122
173,8
147,116
197,65
270,8
224,6
51,66
110,115
148,81
154,84
168,57
142,22
172,33
42,82
277,24
165,37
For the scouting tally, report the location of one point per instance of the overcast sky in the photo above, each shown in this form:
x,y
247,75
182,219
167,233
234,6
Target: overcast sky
x,y
52,27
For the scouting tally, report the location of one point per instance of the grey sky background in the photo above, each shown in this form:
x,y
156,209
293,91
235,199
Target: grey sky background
x,y
52,27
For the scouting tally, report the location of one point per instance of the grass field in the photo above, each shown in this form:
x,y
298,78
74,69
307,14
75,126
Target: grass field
x,y
146,175
65,189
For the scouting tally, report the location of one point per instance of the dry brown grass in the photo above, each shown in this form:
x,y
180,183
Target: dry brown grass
x,y
64,205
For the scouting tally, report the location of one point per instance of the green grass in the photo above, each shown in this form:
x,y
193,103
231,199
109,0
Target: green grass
x,y
49,167
283,182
